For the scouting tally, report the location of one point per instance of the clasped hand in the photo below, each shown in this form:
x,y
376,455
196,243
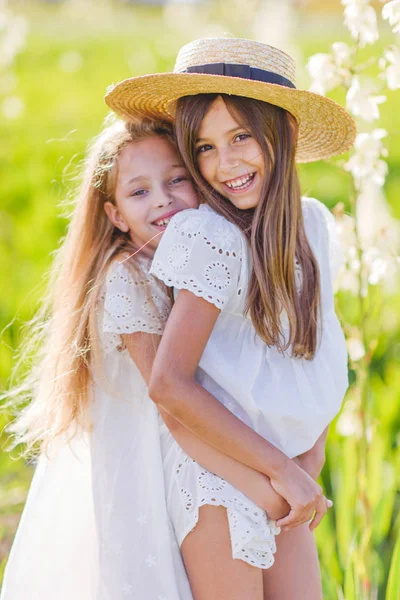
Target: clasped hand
x,y
303,494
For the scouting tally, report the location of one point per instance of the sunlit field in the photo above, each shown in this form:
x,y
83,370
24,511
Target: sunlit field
x,y
72,52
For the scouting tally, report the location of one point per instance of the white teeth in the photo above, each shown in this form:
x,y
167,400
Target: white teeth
x,y
162,222
239,182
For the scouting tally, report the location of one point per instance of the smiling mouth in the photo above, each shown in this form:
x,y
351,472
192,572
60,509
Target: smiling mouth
x,y
162,222
240,183
165,219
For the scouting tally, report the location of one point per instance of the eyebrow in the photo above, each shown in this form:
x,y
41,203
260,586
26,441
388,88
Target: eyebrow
x,y
227,132
140,177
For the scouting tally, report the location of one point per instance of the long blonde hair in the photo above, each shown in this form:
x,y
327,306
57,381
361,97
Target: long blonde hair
x,y
54,397
274,229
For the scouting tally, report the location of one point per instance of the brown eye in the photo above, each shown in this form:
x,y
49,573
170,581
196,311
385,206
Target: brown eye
x,y
203,148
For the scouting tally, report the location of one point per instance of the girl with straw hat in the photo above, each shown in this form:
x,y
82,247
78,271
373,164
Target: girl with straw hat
x,y
253,331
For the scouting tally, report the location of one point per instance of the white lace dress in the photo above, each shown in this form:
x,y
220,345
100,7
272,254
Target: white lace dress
x,y
103,513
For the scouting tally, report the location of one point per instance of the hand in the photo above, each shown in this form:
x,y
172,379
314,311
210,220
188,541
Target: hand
x,y
303,494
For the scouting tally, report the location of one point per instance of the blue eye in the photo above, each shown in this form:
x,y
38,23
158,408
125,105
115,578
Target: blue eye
x,y
139,193
178,180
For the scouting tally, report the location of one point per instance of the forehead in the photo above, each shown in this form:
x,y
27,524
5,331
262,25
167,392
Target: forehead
x,y
218,117
150,150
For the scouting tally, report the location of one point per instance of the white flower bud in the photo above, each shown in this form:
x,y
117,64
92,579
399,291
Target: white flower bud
x,y
360,103
391,13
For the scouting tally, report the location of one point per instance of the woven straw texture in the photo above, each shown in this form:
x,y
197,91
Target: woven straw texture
x,y
325,128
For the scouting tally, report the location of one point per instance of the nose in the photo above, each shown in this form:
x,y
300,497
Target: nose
x,y
164,197
227,160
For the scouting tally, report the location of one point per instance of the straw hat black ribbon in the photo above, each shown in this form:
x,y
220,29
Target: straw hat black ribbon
x,y
243,71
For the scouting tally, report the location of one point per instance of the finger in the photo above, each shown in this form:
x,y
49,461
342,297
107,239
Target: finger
x,y
321,511
290,520
293,519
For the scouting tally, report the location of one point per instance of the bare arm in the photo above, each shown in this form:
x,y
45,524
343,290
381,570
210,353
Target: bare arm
x,y
174,388
256,486
313,460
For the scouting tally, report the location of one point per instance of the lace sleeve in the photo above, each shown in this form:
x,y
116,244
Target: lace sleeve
x,y
131,303
200,251
330,235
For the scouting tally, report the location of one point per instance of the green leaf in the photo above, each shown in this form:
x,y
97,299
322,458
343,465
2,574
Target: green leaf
x,y
393,587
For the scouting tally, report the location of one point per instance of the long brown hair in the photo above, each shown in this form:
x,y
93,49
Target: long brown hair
x,y
53,398
274,228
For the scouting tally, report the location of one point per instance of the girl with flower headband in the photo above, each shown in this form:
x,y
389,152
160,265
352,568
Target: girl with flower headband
x,y
253,330
97,523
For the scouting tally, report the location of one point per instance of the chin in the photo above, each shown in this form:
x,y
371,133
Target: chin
x,y
244,203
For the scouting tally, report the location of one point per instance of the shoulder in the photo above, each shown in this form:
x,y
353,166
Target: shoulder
x,y
316,210
318,219
124,270
133,300
312,206
207,227
130,287
202,252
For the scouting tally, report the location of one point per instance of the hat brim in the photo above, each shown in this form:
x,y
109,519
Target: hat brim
x,y
325,127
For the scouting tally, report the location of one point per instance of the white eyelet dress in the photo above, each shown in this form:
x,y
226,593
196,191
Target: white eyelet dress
x,y
289,401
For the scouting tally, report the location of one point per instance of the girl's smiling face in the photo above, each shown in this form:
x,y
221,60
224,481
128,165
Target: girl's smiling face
x,y
229,158
151,186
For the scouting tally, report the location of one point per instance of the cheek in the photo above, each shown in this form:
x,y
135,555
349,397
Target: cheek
x,y
255,153
205,169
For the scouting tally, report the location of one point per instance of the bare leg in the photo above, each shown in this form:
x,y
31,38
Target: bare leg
x,y
212,572
295,573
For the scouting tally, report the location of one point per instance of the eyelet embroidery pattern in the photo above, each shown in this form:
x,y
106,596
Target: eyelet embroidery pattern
x,y
224,240
187,256
130,305
252,533
190,227
217,276
178,257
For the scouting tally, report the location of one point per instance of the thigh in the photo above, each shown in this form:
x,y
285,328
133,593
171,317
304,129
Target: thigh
x,y
295,573
212,572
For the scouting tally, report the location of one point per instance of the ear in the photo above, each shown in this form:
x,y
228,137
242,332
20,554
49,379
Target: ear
x,y
115,217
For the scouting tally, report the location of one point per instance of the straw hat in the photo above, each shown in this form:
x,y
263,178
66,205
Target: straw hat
x,y
242,68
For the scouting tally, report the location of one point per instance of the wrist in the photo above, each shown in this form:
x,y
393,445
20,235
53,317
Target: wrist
x,y
278,467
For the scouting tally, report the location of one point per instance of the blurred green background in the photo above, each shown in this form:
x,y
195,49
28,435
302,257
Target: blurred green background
x,y
51,104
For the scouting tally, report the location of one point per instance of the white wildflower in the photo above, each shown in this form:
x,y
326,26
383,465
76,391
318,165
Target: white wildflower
x,y
361,103
376,265
348,423
365,164
342,53
355,348
392,72
327,71
391,13
360,19
323,73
